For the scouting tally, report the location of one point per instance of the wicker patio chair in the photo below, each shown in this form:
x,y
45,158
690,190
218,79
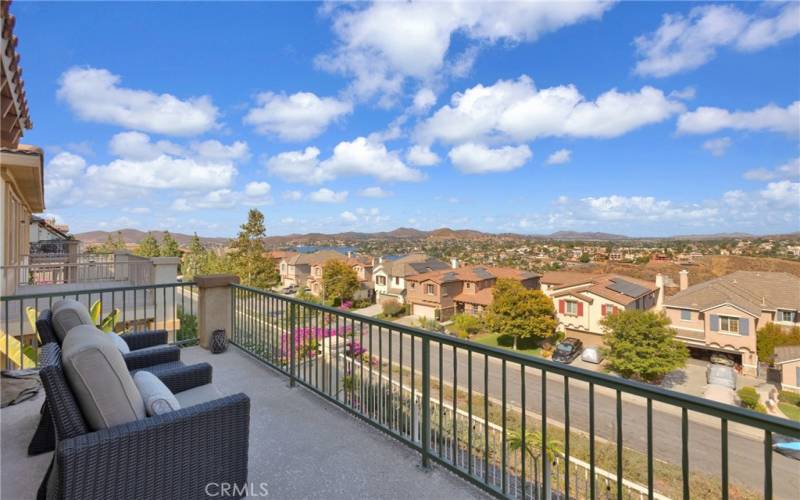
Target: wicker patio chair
x,y
170,456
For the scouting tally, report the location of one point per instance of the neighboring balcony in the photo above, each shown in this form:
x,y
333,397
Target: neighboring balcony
x,y
467,419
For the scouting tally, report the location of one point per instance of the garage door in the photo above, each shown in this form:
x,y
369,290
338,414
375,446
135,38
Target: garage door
x,y
588,339
423,311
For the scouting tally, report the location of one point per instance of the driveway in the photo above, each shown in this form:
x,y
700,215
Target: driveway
x,y
371,311
692,379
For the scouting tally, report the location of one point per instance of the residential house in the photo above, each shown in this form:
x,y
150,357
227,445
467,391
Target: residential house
x,y
787,361
295,268
389,276
21,168
582,300
723,314
443,293
362,265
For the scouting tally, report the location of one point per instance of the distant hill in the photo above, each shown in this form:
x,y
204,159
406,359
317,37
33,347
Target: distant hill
x,y
135,236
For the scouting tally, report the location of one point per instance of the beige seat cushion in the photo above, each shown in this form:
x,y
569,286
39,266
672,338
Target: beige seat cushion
x,y
197,395
100,379
67,314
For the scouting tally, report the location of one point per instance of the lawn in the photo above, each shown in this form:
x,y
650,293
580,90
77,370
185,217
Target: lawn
x,y
506,342
790,410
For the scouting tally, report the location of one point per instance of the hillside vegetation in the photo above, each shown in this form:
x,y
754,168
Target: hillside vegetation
x,y
704,269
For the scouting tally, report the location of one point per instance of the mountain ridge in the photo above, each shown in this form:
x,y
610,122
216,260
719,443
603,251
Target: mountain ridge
x,y
134,236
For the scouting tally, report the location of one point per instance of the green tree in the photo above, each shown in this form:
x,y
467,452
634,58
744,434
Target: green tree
x,y
642,345
195,261
169,247
585,258
339,282
148,247
771,336
248,258
520,313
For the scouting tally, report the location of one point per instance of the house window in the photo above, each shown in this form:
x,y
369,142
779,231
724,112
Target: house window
x,y
381,280
468,286
787,316
396,280
608,310
686,314
430,289
572,308
729,324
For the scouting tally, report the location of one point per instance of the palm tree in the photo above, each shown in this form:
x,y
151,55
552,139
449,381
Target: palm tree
x,y
533,444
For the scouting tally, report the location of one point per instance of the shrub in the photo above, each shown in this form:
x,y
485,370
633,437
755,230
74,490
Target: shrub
x,y
749,397
392,308
465,325
430,324
790,397
188,328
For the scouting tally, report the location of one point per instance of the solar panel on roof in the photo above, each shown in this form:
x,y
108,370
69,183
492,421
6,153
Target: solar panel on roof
x,y
627,288
483,273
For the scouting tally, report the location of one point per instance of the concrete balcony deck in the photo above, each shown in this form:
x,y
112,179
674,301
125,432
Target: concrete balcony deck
x,y
300,445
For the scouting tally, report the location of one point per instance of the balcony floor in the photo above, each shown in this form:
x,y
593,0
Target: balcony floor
x,y
300,445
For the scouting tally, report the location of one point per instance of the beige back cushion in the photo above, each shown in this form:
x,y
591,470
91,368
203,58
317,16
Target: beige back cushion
x,y
100,379
67,314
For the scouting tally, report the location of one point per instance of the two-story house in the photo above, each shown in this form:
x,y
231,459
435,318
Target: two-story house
x,y
389,276
295,269
724,314
443,293
362,265
582,300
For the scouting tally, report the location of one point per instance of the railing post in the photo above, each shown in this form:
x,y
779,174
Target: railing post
x,y
214,308
426,401
292,354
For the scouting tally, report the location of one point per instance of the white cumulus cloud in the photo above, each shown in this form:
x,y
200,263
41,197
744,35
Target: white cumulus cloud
x,y
325,195
718,146
517,110
96,95
382,44
683,43
421,156
769,118
360,156
295,117
474,158
559,157
374,192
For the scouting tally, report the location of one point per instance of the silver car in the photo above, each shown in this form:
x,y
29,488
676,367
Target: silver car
x,y
721,375
592,355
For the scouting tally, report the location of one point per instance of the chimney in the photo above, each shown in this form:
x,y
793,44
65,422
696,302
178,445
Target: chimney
x,y
454,263
659,291
380,260
684,279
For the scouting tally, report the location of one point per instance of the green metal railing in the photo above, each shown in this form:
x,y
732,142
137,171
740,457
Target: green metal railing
x,y
170,306
473,409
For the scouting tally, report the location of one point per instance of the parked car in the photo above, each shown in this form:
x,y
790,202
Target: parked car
x,y
289,290
721,375
592,355
721,359
567,350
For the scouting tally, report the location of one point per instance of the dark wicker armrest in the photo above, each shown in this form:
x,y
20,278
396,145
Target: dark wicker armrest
x,y
140,340
186,377
137,360
176,455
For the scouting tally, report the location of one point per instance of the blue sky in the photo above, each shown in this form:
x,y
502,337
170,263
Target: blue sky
x,y
635,118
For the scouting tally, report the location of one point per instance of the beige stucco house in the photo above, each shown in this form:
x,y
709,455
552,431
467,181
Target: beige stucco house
x,y
724,314
389,275
21,166
470,289
582,300
787,361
